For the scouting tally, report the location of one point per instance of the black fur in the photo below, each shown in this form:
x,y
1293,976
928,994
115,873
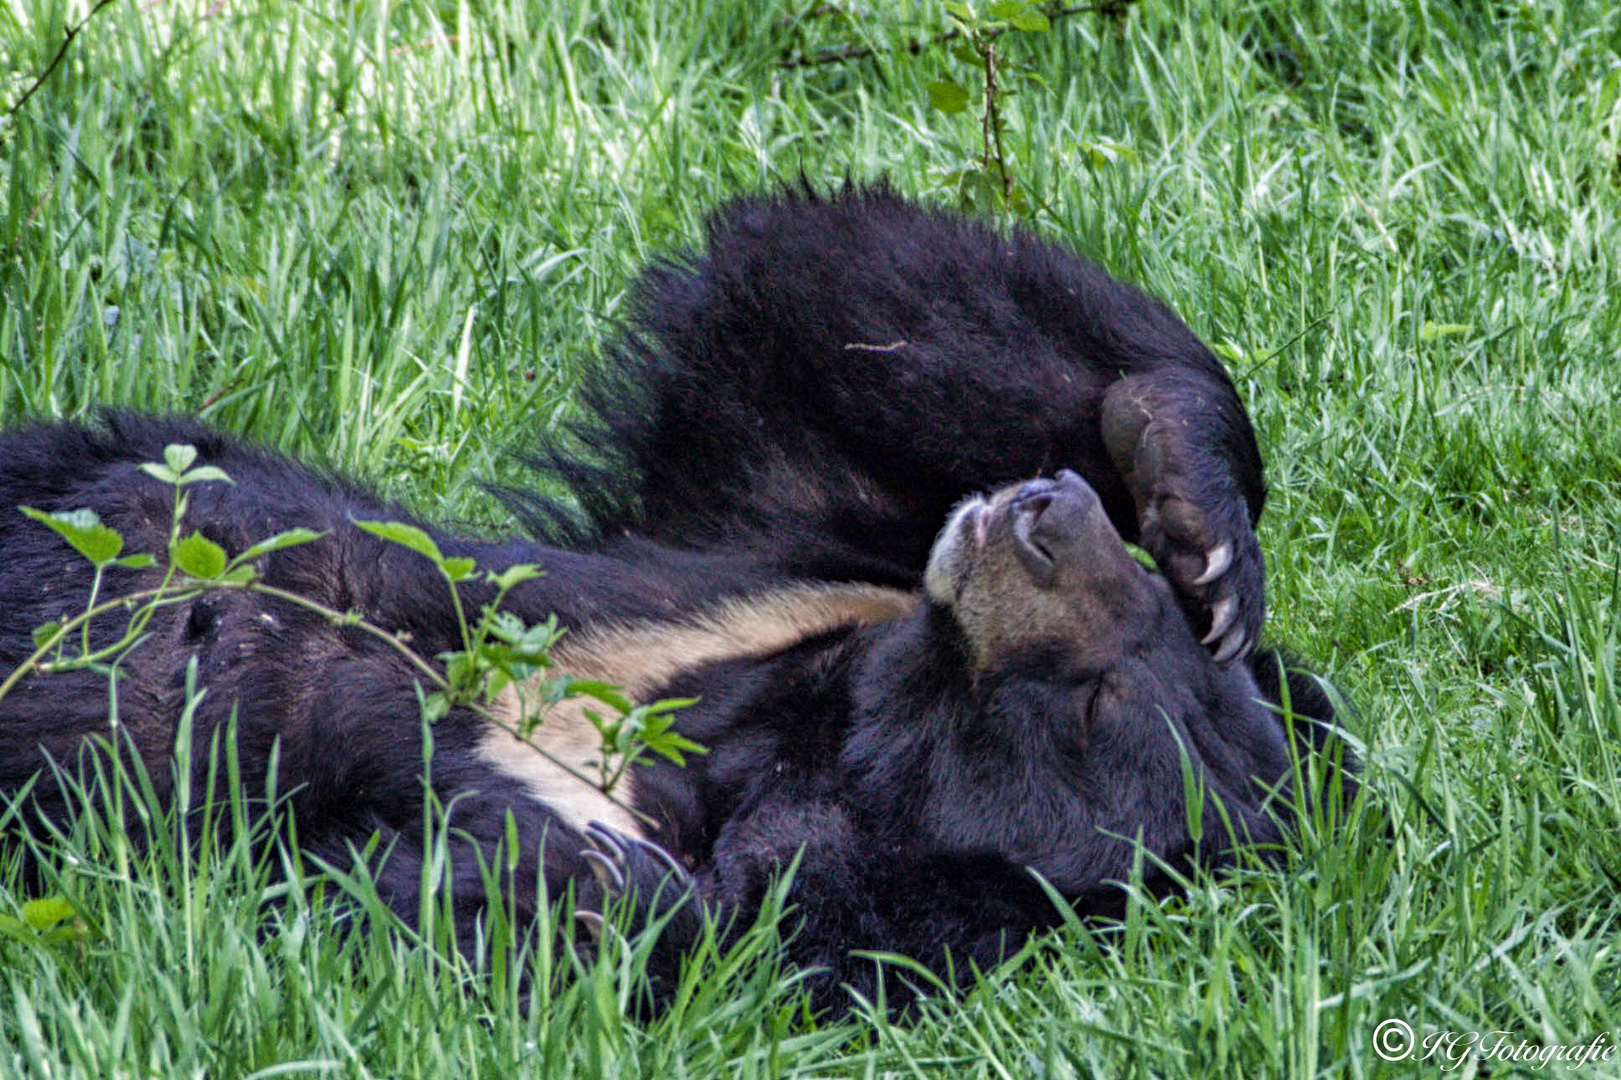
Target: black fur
x,y
805,401
825,380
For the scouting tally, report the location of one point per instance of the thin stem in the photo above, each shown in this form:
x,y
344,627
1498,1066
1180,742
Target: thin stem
x,y
61,51
917,45
461,617
153,598
95,590
993,121
64,630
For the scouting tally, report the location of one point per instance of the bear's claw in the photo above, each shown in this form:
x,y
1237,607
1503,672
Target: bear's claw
x,y
1222,614
606,871
593,923
1217,560
1231,647
621,862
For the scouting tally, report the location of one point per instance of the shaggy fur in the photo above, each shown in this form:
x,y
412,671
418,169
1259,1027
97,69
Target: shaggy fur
x,y
820,386
772,447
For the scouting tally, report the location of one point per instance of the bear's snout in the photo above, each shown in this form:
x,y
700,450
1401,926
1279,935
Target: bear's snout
x,y
1053,520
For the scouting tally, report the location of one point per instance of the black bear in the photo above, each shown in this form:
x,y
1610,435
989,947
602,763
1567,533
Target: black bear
x,y
1033,709
925,714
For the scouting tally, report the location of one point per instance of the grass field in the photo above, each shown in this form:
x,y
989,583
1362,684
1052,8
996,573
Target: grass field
x,y
387,235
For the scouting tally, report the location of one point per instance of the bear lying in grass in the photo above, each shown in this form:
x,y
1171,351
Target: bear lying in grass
x,y
922,715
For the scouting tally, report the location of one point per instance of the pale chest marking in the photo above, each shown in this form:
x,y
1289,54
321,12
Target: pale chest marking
x,y
639,657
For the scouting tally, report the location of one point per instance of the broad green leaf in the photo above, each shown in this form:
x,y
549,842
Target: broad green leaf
x,y
459,568
657,736
503,624
461,669
407,536
947,96
83,531
1007,9
179,456
675,747
205,472
43,634
607,693
495,682
199,556
46,912
530,641
138,561
1031,22
160,472
435,706
516,575
287,539
962,11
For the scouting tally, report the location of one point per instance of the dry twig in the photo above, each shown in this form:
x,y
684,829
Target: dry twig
x,y
61,51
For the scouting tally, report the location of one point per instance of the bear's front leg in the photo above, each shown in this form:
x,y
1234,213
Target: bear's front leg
x,y
1178,448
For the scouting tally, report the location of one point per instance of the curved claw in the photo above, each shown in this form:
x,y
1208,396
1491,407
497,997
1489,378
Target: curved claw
x,y
1217,561
607,874
1231,648
592,922
606,840
667,861
609,852
1222,615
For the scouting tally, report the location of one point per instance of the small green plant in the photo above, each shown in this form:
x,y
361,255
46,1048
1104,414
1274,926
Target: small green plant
x,y
499,650
975,45
50,922
989,180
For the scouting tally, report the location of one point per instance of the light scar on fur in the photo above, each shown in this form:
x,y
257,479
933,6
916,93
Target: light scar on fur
x,y
639,657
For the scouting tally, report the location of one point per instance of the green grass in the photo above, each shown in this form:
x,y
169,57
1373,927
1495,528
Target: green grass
x,y
388,235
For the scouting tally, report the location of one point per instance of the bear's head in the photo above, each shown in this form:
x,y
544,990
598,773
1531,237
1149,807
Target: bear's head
x,y
1038,566
1051,701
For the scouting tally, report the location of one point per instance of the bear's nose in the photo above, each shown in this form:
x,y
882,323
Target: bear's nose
x,y
1033,490
1067,479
